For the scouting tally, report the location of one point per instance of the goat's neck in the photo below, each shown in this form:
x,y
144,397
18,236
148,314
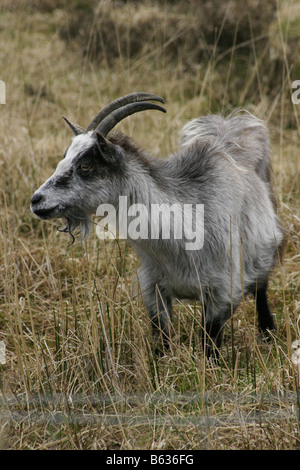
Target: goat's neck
x,y
147,185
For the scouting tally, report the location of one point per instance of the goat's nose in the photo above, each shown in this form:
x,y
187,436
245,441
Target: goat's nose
x,y
36,198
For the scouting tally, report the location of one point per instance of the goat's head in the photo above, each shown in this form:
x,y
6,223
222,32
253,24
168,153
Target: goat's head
x,y
91,168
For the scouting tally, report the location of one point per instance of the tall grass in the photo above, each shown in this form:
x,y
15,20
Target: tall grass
x,y
80,370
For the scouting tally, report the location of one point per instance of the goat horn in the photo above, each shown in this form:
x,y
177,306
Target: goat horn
x,y
75,128
119,103
107,124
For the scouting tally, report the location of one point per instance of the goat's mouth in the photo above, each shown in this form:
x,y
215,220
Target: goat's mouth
x,y
46,213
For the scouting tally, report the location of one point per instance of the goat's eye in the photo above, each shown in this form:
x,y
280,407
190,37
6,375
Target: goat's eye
x,y
84,167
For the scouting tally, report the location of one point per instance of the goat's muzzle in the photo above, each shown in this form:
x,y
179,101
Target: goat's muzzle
x,y
39,208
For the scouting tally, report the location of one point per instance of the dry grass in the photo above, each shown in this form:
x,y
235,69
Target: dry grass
x,y
79,372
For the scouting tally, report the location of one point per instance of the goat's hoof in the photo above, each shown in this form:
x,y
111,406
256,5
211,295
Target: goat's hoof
x,y
161,350
161,346
267,333
212,355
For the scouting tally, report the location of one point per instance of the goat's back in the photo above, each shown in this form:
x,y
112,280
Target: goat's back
x,y
241,135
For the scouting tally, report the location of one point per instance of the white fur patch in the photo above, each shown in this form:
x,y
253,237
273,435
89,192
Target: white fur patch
x,y
80,143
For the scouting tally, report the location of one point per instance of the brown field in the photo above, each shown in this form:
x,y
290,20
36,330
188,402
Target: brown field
x,y
79,370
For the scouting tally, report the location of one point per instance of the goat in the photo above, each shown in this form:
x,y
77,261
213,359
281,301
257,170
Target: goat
x,y
223,164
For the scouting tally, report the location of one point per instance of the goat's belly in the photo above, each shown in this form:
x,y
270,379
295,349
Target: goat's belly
x,y
182,283
186,291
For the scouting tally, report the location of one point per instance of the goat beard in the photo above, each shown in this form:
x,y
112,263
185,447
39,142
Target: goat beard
x,y
72,222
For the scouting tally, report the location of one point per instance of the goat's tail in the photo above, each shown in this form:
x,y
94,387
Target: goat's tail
x,y
241,135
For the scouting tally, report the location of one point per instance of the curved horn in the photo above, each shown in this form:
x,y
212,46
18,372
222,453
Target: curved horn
x,y
119,103
75,128
107,124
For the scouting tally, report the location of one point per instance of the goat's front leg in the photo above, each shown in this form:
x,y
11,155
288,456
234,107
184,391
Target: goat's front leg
x,y
158,301
213,322
159,306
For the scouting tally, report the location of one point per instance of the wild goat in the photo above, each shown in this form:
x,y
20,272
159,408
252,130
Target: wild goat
x,y
222,164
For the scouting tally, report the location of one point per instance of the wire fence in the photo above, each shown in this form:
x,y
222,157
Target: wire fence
x,y
187,409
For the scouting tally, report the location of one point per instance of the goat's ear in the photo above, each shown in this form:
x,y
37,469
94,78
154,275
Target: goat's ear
x,y
109,151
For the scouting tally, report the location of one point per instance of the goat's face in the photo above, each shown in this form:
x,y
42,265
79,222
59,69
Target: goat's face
x,y
93,169
83,179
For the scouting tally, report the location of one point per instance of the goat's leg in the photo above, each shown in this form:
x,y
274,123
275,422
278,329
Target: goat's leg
x,y
265,317
158,303
213,322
